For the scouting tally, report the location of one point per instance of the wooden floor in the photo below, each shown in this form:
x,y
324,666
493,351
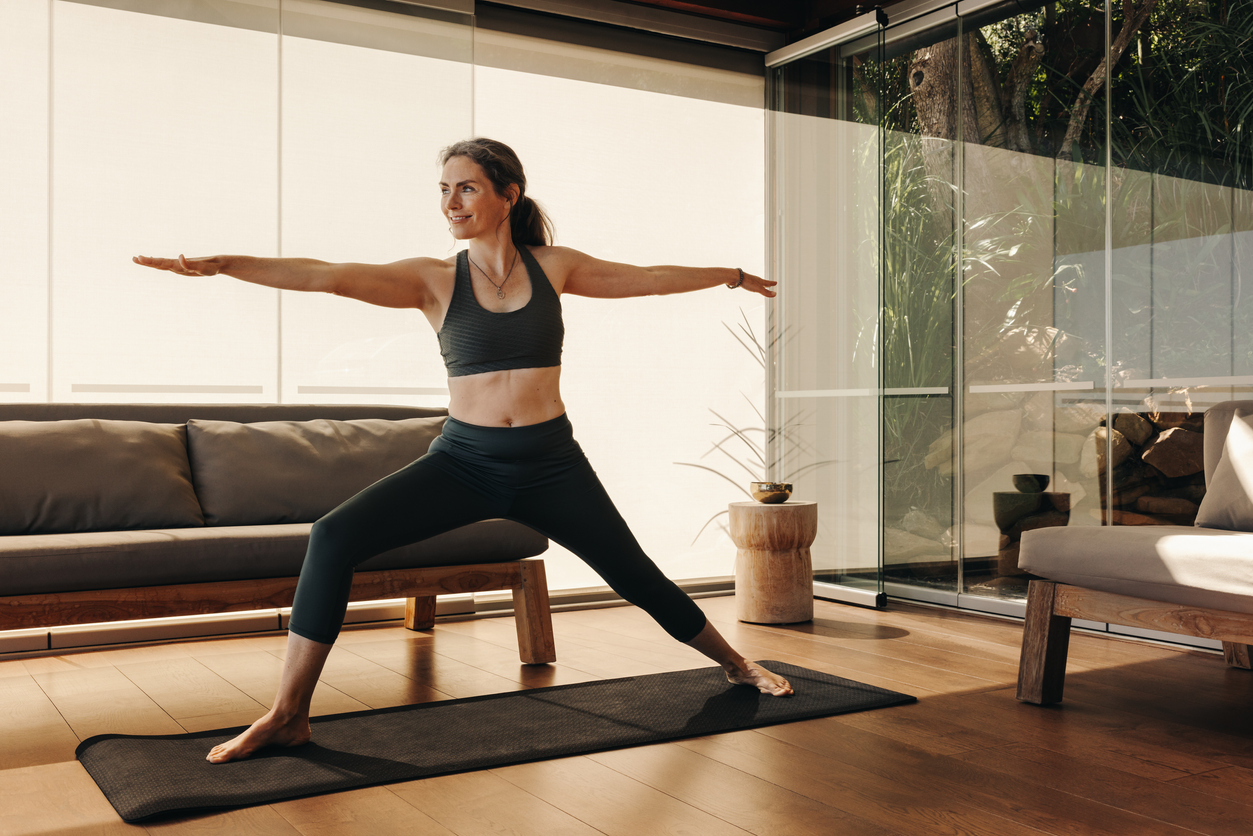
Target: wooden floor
x,y
1149,740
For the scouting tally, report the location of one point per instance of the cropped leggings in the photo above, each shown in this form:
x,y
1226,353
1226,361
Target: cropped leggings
x,y
536,475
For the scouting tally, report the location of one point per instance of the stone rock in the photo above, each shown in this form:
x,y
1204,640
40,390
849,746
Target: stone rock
x,y
901,546
1067,447
1166,505
1037,411
1134,426
1193,421
981,402
1129,496
1077,491
1192,493
989,438
1079,418
1132,473
1092,461
1132,479
940,454
1176,452
922,524
1034,446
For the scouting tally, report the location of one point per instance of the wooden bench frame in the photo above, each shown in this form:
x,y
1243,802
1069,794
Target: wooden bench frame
x,y
1051,606
526,578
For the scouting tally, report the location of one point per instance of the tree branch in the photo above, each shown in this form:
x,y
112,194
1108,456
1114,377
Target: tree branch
x,y
1133,18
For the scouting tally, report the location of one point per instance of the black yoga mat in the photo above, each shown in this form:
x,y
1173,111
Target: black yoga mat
x,y
147,776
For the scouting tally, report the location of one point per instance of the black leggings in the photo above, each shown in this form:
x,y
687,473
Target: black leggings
x,y
536,475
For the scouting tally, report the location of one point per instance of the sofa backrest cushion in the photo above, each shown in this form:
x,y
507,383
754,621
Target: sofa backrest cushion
x,y
1228,501
89,475
296,471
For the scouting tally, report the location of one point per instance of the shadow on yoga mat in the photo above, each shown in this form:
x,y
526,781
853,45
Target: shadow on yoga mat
x,y
148,776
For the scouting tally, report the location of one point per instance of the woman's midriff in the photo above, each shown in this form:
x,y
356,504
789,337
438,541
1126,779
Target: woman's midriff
x,y
513,398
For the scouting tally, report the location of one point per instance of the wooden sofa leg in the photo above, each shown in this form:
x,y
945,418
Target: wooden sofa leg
x,y
532,616
1237,655
1045,642
420,613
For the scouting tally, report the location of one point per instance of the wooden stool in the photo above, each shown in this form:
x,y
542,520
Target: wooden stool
x,y
774,578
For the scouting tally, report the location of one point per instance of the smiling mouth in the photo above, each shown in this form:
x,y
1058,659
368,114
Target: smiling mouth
x,y
458,218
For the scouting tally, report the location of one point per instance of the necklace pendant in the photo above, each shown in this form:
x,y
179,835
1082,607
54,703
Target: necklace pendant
x,y
500,294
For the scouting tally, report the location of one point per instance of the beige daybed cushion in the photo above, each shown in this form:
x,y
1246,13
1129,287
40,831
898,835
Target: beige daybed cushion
x,y
124,559
1200,567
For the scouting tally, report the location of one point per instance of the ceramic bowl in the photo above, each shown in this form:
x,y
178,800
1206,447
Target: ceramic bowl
x,y
1031,482
770,492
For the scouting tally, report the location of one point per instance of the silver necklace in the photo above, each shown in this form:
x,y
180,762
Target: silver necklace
x,y
500,288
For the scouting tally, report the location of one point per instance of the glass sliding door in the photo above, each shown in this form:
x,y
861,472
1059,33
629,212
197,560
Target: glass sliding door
x,y
921,210
1033,286
1064,234
824,328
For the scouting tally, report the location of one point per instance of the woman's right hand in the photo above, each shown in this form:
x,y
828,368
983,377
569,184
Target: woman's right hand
x,y
182,265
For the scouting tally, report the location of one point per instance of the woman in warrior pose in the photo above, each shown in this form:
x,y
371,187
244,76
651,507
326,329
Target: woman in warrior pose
x,y
507,449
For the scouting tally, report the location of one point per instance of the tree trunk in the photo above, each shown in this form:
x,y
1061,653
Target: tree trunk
x,y
934,79
1014,93
986,89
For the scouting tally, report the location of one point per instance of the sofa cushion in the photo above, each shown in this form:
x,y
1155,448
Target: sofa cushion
x,y
90,475
1200,567
1228,501
295,471
42,563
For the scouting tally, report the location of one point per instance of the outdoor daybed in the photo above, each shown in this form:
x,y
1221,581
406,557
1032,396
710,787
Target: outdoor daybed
x,y
1192,580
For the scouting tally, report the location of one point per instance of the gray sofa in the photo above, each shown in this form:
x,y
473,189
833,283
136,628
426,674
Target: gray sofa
x,y
1190,580
122,511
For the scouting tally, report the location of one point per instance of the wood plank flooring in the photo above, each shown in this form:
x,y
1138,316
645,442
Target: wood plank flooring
x,y
1149,740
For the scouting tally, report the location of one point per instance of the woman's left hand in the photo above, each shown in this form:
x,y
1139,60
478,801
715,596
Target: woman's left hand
x,y
758,285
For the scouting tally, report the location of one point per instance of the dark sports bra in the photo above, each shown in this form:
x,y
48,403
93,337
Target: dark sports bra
x,y
474,340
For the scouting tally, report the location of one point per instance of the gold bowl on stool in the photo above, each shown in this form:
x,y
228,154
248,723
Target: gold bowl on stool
x,y
770,492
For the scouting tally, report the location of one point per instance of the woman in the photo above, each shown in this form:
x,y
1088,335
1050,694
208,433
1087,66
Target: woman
x,y
507,449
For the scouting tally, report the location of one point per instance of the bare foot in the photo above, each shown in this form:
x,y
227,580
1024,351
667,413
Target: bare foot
x,y
763,680
270,730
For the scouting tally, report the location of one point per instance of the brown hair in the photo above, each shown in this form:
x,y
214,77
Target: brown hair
x,y
527,221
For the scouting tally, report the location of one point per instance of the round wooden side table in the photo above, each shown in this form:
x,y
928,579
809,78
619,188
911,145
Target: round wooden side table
x,y
774,579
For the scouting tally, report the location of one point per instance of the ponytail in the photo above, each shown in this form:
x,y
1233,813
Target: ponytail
x,y
529,224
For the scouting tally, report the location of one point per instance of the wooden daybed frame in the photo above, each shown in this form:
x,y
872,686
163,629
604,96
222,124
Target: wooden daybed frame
x,y
525,578
1051,606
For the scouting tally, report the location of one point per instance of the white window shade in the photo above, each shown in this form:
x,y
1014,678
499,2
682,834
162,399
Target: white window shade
x,y
369,99
24,201
164,141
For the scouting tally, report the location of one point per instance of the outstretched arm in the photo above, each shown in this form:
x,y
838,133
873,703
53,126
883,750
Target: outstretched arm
x,y
587,276
401,284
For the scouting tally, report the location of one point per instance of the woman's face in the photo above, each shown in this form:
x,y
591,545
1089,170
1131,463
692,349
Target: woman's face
x,y
469,202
